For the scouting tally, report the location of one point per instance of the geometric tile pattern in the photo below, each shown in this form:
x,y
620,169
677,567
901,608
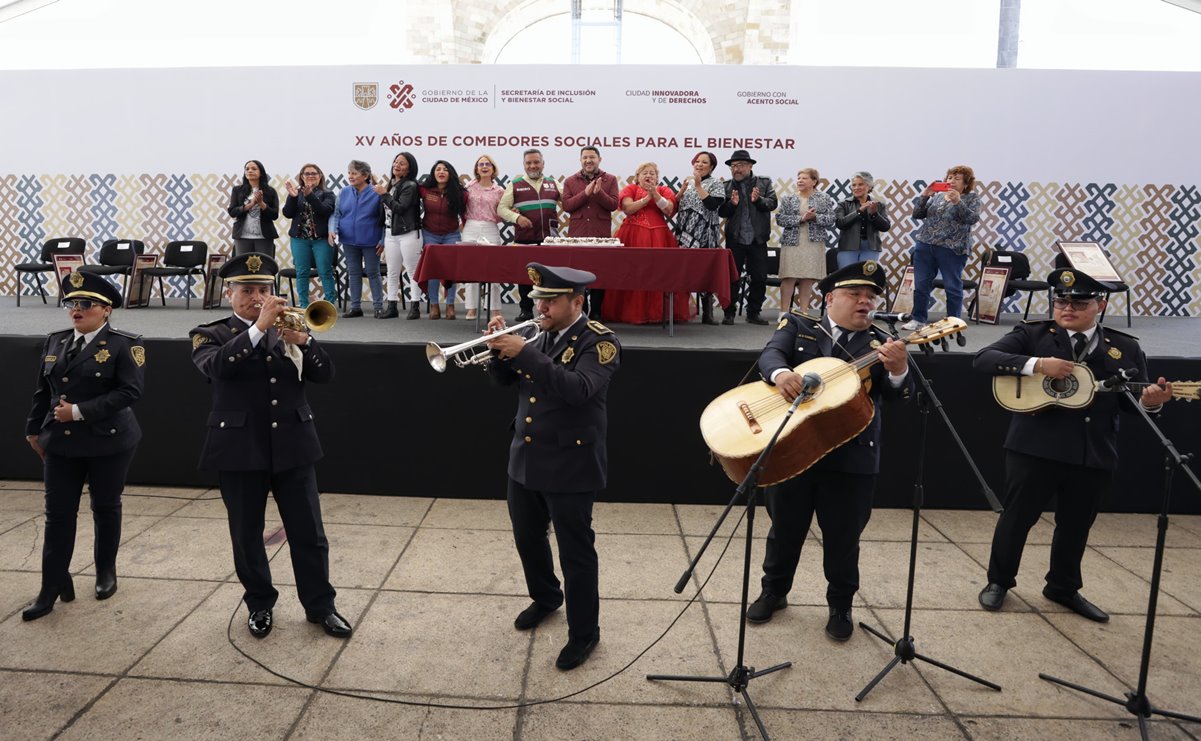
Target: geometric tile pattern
x,y
1152,232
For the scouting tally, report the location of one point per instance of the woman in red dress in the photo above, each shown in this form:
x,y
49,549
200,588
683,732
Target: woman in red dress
x,y
647,207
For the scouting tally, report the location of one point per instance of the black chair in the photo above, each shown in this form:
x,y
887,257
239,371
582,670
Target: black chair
x,y
1061,261
1019,275
182,257
50,248
116,258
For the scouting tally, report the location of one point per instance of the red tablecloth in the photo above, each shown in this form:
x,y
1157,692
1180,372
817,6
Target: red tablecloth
x,y
634,268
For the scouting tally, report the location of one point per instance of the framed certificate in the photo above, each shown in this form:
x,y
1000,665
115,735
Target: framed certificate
x,y
140,285
213,283
904,300
991,293
1088,257
64,265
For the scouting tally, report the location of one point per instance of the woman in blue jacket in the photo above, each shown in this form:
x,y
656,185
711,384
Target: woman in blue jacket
x,y
358,223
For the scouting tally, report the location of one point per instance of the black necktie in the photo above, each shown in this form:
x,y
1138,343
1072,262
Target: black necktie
x,y
1078,343
548,341
75,349
843,341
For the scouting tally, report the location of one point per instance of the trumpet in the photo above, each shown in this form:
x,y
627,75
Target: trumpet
x,y
464,353
318,316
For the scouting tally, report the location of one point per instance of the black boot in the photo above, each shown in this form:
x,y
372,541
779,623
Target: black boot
x,y
106,582
414,311
44,603
390,311
707,310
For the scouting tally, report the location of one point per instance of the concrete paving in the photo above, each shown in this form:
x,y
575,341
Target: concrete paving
x,y
432,586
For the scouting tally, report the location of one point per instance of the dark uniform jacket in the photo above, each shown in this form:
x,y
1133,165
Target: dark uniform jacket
x,y
104,379
760,210
1082,437
562,419
261,420
800,338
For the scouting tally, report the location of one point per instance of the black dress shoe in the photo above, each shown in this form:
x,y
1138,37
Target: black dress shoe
x,y
524,316
762,608
1076,604
575,653
756,319
532,615
352,313
44,602
106,583
259,623
333,624
840,626
728,319
992,597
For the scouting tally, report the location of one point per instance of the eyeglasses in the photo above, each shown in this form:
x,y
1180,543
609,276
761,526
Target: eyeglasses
x,y
483,164
82,304
311,174
1081,305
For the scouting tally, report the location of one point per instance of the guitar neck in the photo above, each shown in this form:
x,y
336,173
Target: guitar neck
x,y
1187,390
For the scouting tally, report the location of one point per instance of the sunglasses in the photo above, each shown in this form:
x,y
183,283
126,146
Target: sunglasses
x,y
1081,305
82,304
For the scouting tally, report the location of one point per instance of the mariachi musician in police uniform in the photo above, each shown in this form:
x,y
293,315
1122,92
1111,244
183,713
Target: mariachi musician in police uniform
x,y
1067,453
839,487
558,459
83,428
262,437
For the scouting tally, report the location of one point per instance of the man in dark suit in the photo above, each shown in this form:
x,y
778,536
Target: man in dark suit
x,y
1067,453
839,487
747,211
558,459
83,428
261,437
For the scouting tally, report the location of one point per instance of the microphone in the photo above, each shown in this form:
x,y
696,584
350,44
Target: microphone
x,y
889,316
810,382
1119,380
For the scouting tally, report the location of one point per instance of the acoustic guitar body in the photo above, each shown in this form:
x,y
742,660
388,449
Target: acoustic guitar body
x,y
738,424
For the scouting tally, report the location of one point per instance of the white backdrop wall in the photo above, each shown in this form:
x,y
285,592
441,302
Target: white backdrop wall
x,y
152,154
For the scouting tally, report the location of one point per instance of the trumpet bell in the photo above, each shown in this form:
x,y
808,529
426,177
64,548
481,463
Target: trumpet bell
x,y
435,356
319,316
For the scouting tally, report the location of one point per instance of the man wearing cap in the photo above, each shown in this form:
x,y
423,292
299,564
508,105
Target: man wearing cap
x,y
558,459
747,211
262,437
1067,453
839,487
82,427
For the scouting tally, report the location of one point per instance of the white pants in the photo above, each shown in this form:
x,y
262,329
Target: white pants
x,y
400,252
481,232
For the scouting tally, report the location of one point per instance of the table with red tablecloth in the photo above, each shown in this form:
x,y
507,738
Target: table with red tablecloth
x,y
669,271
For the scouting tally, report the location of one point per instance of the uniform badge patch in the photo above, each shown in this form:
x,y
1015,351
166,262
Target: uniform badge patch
x,y
198,340
535,276
51,358
567,355
139,355
782,323
1067,277
1115,353
254,263
869,267
874,344
102,356
76,279
607,351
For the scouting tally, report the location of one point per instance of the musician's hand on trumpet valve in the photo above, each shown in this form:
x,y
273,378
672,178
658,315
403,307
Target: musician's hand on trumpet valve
x,y
270,310
506,345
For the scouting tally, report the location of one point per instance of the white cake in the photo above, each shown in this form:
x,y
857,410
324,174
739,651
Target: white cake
x,y
582,242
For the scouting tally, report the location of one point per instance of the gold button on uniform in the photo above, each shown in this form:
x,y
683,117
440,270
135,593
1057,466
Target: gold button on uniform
x,y
528,420
272,380
68,432
528,439
275,402
533,399
274,425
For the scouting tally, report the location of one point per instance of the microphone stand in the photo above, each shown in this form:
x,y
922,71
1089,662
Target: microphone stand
x,y
1137,702
740,676
904,650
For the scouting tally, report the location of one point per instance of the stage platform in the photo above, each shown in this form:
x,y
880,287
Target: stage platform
x,y
432,586
391,425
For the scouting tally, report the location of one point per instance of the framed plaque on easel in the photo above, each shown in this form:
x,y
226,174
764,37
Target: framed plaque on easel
x,y
1088,257
140,284
991,293
213,283
904,301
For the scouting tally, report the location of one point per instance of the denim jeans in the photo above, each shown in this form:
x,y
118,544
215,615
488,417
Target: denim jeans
x,y
304,253
850,257
928,261
359,258
431,238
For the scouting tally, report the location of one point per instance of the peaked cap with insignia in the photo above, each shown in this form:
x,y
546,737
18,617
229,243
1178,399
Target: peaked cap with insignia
x,y
250,267
1072,282
550,282
868,273
80,286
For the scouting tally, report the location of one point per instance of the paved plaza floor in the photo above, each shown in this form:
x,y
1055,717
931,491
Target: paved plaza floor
x,y
433,585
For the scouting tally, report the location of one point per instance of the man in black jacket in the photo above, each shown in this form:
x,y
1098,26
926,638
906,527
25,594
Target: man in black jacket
x,y
261,437
558,458
839,487
747,211
1067,453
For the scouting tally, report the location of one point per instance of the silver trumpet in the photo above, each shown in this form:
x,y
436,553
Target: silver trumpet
x,y
465,354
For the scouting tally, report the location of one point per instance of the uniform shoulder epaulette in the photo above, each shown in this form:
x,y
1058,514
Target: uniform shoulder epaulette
x,y
1120,333
1036,321
599,328
213,323
805,315
123,333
